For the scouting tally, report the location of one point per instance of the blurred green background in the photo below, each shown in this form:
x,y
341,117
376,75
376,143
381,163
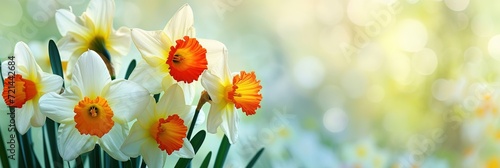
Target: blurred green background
x,y
346,83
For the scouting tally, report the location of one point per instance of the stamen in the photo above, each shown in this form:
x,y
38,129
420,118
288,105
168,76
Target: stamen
x,y
93,111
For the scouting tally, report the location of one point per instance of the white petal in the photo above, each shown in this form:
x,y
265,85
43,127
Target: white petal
x,y
152,49
101,12
189,91
50,83
70,48
181,24
66,22
120,41
38,118
216,57
127,99
187,150
172,102
119,46
91,74
148,77
133,143
214,86
5,69
152,155
230,123
59,107
24,59
113,140
71,143
214,118
23,117
148,116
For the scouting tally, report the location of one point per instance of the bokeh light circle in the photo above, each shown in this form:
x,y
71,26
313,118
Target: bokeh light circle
x,y
11,12
425,62
412,35
494,47
309,72
457,5
335,120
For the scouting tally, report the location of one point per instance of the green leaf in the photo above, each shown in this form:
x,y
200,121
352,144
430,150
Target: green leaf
x,y
136,162
197,141
130,68
157,97
222,153
52,134
45,147
3,156
95,157
255,158
28,158
79,162
3,84
111,162
206,161
55,59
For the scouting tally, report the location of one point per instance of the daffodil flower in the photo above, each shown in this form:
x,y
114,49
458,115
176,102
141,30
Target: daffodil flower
x,y
24,87
94,109
174,54
161,130
92,30
228,95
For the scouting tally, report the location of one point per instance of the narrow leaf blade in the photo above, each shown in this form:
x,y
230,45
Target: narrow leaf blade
x,y
206,161
222,153
197,141
55,59
255,158
130,68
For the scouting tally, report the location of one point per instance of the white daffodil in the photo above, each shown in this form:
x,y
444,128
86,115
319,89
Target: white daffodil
x,y
161,130
24,84
226,96
92,30
173,54
94,109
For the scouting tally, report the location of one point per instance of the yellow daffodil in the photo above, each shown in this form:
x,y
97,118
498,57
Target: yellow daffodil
x,y
161,130
92,30
94,109
24,84
227,96
173,54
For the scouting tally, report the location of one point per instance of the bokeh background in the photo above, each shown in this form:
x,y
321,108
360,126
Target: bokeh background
x,y
346,83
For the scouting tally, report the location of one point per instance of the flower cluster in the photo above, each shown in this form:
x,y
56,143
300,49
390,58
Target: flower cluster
x,y
97,107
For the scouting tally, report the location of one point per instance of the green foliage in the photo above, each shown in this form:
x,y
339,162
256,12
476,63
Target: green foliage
x,y
255,158
222,153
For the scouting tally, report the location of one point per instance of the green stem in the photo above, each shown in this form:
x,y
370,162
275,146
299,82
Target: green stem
x,y
203,99
193,122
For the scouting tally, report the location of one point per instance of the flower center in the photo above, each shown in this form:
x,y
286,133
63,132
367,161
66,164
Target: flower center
x,y
245,92
93,117
169,133
17,91
187,60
